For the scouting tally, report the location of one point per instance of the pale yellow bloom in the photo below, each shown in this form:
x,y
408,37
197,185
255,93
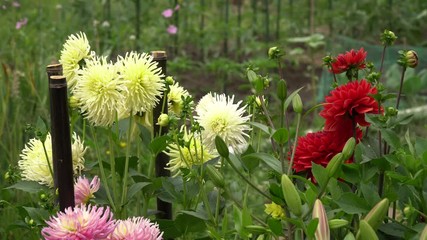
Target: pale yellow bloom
x,y
175,95
100,93
33,163
75,50
219,116
274,210
193,153
142,79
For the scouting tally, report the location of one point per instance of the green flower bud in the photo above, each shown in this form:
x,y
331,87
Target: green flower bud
x,y
388,37
411,58
408,211
334,164
73,102
322,231
297,103
391,111
163,120
327,60
337,223
221,147
282,90
348,148
274,53
366,232
169,80
373,77
376,216
292,198
215,176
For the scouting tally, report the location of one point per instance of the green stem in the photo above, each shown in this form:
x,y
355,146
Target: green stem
x,y
239,205
295,144
399,95
113,167
247,180
101,169
126,170
47,160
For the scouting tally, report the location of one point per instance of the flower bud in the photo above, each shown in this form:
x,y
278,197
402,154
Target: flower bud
x,y
215,176
411,58
282,90
348,148
297,103
169,80
163,120
388,37
337,223
73,102
292,198
322,230
391,111
274,53
221,147
376,216
366,231
334,164
408,211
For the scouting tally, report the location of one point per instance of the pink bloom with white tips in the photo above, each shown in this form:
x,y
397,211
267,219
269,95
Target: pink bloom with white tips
x,y
83,190
136,228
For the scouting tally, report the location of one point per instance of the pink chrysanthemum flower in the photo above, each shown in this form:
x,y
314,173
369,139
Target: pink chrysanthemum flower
x,y
136,228
172,29
82,222
167,13
83,190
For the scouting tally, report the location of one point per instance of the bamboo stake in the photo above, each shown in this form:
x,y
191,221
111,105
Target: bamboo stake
x,y
161,159
61,141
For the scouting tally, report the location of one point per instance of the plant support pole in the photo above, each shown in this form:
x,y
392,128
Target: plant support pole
x,y
54,70
161,159
61,141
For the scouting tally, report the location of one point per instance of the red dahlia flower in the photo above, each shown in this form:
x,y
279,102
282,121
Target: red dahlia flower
x,y
347,104
349,60
320,147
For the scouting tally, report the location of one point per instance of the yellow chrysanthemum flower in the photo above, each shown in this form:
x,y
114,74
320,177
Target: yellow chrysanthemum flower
x,y
219,116
33,162
75,49
142,78
100,93
274,210
175,95
193,153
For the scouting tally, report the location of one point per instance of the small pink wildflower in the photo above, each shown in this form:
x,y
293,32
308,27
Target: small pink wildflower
x,y
136,228
167,13
172,29
82,222
83,190
177,7
16,4
21,23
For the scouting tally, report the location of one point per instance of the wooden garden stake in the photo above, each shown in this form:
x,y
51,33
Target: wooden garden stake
x,y
161,159
61,141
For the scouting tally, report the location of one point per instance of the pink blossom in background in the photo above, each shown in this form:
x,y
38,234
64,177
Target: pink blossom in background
x,y
21,23
177,7
16,4
172,29
167,13
83,190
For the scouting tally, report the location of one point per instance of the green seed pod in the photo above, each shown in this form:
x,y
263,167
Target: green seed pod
x,y
221,147
334,164
282,90
297,103
348,148
376,216
215,176
322,231
366,232
292,198
337,223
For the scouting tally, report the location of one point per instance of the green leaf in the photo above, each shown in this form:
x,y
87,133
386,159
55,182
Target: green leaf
x,y
121,162
320,173
28,186
268,159
290,97
200,215
311,227
250,163
391,138
158,144
281,135
136,188
170,228
370,192
262,127
275,226
189,223
352,204
39,215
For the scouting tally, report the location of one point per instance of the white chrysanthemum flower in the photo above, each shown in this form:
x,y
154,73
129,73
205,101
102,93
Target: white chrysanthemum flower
x,y
33,163
142,79
99,91
193,153
75,49
175,95
219,116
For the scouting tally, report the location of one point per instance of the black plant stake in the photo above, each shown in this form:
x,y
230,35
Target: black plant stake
x,y
61,141
161,159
